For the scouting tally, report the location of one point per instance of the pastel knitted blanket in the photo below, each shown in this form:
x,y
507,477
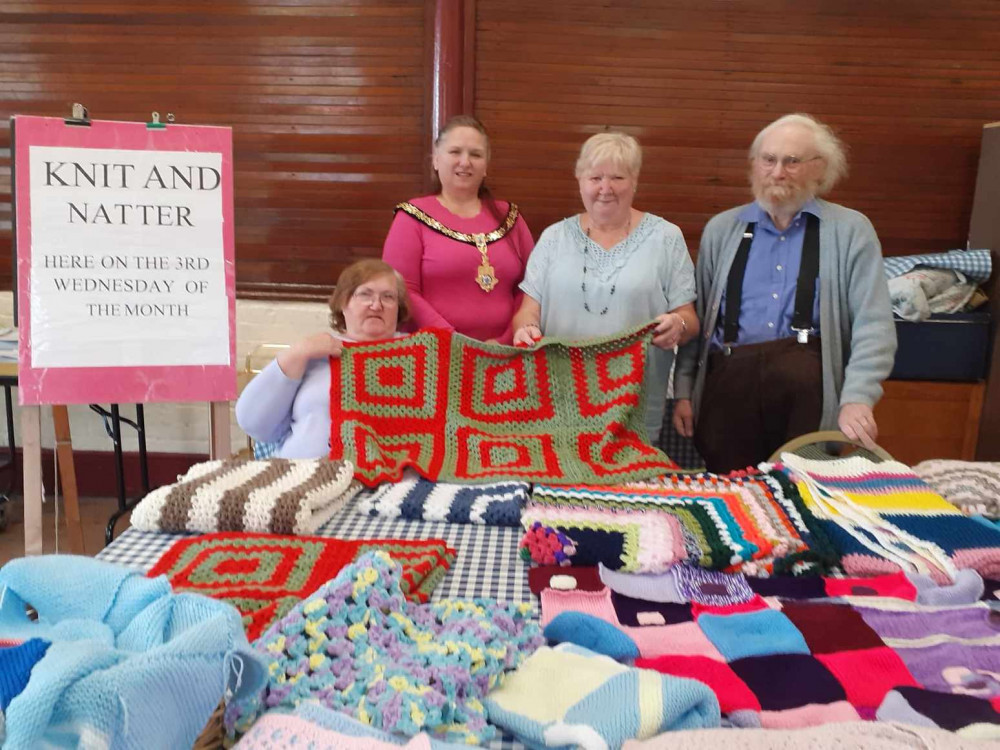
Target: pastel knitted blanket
x,y
277,496
265,576
884,518
129,664
357,646
461,410
419,499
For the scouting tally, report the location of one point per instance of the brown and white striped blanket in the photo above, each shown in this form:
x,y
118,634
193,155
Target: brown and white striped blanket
x,y
974,486
277,496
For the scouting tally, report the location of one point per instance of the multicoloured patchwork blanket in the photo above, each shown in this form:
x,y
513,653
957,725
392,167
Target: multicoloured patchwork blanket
x,y
277,496
419,499
461,410
265,576
356,646
783,663
752,523
884,518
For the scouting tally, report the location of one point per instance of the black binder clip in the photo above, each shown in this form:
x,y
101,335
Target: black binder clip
x,y
79,116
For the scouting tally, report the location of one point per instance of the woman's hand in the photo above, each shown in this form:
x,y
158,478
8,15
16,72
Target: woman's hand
x,y
684,417
670,327
293,361
527,335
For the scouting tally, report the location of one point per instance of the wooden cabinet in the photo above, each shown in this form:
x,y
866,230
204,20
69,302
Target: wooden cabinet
x,y
920,419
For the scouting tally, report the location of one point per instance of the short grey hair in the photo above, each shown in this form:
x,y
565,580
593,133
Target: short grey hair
x,y
618,148
828,145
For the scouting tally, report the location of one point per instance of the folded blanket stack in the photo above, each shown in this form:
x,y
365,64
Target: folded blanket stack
x,y
265,576
276,496
357,646
884,518
418,499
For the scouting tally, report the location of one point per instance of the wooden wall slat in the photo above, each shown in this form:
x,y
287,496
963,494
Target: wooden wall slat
x,y
327,101
907,84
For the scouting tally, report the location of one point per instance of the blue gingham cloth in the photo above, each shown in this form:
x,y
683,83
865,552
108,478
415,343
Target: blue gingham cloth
x,y
975,264
487,563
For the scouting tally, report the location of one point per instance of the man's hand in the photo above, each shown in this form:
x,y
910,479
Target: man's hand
x,y
857,422
684,417
669,329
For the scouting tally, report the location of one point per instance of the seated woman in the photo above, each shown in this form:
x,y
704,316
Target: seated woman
x,y
461,252
611,268
289,401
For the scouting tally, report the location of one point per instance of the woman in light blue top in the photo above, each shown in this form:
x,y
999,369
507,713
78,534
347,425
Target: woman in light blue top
x,y
611,268
289,401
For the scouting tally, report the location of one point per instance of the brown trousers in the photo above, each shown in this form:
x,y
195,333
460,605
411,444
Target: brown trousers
x,y
756,399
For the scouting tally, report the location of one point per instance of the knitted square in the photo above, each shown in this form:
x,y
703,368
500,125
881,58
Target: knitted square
x,y
277,496
650,587
784,681
971,622
16,663
596,603
912,705
586,578
456,409
629,611
868,674
356,645
760,633
265,576
756,604
810,715
732,692
895,585
653,540
568,696
684,639
828,628
419,499
712,587
786,587
952,667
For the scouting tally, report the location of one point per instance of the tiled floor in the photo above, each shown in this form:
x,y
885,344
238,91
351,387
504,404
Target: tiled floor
x,y
94,513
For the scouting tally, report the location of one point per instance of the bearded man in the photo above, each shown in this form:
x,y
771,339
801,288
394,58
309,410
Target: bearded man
x,y
781,355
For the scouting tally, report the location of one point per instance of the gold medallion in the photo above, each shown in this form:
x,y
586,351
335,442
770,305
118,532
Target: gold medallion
x,y
486,275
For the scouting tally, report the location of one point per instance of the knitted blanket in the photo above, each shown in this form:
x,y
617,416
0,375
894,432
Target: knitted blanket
x,y
884,518
357,646
456,409
419,499
795,663
265,576
752,523
129,664
973,486
277,496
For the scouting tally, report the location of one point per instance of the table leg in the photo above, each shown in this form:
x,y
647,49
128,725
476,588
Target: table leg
x,y
31,437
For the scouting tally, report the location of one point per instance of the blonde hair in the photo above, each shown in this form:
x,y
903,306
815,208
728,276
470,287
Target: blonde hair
x,y
356,274
828,145
620,149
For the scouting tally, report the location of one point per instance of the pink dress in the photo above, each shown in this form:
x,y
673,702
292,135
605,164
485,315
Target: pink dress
x,y
440,272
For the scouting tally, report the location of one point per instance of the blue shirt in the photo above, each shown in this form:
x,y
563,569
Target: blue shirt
x,y
769,283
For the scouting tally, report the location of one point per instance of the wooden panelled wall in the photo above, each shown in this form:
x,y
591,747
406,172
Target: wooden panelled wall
x,y
328,102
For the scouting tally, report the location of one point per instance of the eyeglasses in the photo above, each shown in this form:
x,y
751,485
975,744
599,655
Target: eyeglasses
x,y
367,296
788,163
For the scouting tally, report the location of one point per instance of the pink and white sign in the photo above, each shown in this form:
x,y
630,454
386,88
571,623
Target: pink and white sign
x,y
125,262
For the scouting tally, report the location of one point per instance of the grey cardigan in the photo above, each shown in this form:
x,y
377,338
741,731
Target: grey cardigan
x,y
856,328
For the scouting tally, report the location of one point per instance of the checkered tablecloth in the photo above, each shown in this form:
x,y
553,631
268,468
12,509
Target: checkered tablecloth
x,y
487,563
975,264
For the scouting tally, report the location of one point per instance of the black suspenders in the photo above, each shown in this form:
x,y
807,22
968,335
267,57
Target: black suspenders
x,y
805,286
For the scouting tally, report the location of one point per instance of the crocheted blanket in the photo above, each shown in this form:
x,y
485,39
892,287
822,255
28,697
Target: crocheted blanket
x,y
884,518
264,577
456,409
973,486
786,663
419,499
358,647
277,496
752,523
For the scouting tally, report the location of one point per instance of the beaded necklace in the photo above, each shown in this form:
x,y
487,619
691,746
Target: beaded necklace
x,y
586,254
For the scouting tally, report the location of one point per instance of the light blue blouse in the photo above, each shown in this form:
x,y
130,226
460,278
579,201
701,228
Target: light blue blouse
x,y
648,273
